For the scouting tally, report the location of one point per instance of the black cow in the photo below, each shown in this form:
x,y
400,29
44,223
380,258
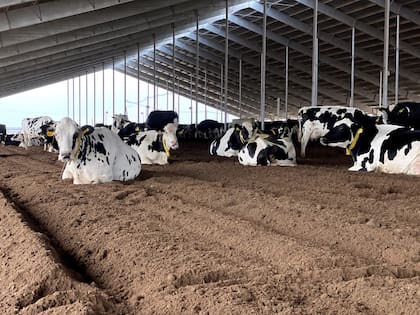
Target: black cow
x,y
158,119
403,114
209,129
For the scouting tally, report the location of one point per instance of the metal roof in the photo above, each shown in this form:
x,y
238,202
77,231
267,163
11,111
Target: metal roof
x,y
45,41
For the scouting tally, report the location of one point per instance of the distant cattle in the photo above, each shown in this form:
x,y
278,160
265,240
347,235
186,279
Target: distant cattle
x,y
209,129
154,146
13,140
31,128
186,132
2,133
333,125
276,149
232,141
125,128
403,114
158,119
94,155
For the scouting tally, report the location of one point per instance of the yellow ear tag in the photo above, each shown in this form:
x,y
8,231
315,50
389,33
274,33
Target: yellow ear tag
x,y
85,131
354,142
50,133
137,129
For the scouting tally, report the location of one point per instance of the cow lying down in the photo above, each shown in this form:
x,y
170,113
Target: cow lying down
x,y
153,146
94,155
232,141
264,149
387,149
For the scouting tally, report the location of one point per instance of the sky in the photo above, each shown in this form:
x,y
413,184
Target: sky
x,y
52,100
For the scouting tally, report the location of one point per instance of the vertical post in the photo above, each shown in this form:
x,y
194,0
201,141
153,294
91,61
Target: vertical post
x,y
73,99
138,82
221,93
240,87
278,108
179,98
154,73
353,38
263,58
87,113
148,99
173,66
226,60
315,56
68,98
103,92
386,56
113,86
80,101
286,83
94,95
205,93
380,87
167,95
191,94
197,65
125,83
397,58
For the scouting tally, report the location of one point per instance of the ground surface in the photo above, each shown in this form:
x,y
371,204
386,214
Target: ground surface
x,y
206,235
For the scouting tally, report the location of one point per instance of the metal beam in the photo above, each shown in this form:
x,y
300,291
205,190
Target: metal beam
x,y
398,9
365,28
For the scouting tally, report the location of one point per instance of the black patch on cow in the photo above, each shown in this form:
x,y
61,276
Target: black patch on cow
x,y
396,140
274,153
262,158
252,147
99,147
405,114
340,133
215,146
157,145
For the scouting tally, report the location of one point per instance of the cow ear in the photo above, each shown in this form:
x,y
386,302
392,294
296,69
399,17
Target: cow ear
x,y
87,130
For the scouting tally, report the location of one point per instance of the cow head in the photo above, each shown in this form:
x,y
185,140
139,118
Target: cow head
x,y
169,136
69,136
118,122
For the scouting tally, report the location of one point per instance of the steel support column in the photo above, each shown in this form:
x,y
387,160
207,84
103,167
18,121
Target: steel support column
x,y
315,56
240,88
173,66
286,81
138,83
263,60
353,38
113,86
87,116
68,98
191,100
197,65
73,99
125,83
94,95
103,92
80,101
226,61
397,59
154,73
386,55
205,93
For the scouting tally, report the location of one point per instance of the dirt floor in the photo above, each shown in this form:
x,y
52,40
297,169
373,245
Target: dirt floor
x,y
205,235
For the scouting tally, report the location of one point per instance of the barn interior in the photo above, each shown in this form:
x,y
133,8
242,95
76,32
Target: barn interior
x,y
205,234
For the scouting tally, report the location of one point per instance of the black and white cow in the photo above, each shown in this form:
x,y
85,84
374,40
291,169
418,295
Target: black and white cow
x,y
125,128
232,141
154,146
13,139
327,122
158,119
31,128
265,149
94,155
47,134
405,114
384,148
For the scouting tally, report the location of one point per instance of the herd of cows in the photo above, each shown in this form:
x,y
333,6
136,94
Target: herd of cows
x,y
387,143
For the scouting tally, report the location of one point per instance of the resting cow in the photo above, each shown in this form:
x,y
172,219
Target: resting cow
x,y
209,129
153,146
94,155
263,149
31,128
385,148
232,141
404,114
125,128
47,134
327,122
